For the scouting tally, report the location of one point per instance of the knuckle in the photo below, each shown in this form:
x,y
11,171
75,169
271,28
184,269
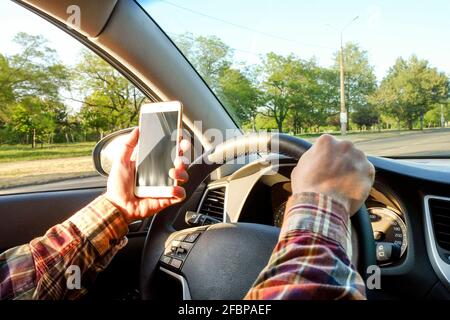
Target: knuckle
x,y
346,145
325,139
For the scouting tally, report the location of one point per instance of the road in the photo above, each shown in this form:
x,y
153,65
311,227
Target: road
x,y
395,144
427,143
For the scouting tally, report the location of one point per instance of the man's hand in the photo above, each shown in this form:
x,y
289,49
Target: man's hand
x,y
120,187
337,169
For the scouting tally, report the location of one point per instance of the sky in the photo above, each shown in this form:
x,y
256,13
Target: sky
x,y
386,29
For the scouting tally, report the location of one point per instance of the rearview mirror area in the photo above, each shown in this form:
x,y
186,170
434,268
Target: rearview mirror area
x,y
107,149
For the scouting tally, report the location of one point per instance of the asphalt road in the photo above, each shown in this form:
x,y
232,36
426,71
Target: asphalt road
x,y
426,143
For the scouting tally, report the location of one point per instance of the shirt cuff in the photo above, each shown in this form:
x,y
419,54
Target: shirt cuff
x,y
320,214
102,223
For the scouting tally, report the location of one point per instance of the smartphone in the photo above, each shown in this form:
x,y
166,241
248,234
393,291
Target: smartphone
x,y
158,146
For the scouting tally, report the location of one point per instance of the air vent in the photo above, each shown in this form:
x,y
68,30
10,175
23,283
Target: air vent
x,y
440,215
213,203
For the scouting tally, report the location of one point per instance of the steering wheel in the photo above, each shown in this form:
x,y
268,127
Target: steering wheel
x,y
221,261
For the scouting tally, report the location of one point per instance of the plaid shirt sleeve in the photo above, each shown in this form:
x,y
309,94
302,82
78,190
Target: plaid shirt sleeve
x,y
41,269
311,259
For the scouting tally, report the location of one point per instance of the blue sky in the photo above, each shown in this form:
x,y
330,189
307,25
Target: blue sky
x,y
386,29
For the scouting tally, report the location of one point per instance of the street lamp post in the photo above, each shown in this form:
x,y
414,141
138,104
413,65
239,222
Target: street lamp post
x,y
343,118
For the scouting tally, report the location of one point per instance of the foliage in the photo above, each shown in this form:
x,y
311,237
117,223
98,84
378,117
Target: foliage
x,y
282,92
111,102
360,80
410,89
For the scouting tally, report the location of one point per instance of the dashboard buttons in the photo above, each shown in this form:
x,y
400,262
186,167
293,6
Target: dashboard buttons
x,y
387,251
186,245
176,263
191,237
165,259
177,250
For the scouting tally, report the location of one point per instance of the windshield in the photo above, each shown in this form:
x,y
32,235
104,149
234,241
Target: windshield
x,y
377,74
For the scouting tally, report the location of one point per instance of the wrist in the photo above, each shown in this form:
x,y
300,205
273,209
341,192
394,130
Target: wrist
x,y
340,200
120,206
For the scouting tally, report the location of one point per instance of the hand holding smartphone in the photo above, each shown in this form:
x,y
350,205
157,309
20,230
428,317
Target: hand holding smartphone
x,y
158,146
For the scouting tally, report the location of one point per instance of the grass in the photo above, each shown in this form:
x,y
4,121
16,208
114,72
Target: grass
x,y
10,153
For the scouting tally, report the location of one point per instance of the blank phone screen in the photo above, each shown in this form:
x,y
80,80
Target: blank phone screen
x,y
157,148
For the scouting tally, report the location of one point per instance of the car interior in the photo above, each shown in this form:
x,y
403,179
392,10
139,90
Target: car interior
x,y
215,243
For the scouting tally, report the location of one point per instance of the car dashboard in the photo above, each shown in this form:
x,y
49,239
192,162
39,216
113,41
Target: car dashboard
x,y
412,241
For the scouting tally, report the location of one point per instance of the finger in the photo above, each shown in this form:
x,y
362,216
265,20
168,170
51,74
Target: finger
x,y
180,162
185,145
130,143
178,194
179,175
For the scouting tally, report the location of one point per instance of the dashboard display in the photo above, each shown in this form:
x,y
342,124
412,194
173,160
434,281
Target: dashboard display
x,y
388,227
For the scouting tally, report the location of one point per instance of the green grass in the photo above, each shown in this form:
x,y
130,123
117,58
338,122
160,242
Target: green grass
x,y
9,153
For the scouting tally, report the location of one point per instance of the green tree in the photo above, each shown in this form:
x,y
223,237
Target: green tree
x,y
240,95
317,98
410,89
359,81
365,116
209,55
108,95
438,113
280,86
34,117
29,80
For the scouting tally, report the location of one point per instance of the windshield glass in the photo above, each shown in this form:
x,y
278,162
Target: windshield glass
x,y
377,73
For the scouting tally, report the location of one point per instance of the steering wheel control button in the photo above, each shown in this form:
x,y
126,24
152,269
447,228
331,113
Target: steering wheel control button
x,y
186,245
387,251
176,263
165,259
191,238
384,251
195,219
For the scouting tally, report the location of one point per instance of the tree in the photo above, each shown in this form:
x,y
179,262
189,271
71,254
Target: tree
x,y
34,117
30,81
108,95
280,86
410,89
210,56
317,99
240,95
360,81
439,112
365,116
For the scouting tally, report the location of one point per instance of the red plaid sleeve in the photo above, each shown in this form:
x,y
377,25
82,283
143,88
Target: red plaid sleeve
x,y
88,241
312,257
